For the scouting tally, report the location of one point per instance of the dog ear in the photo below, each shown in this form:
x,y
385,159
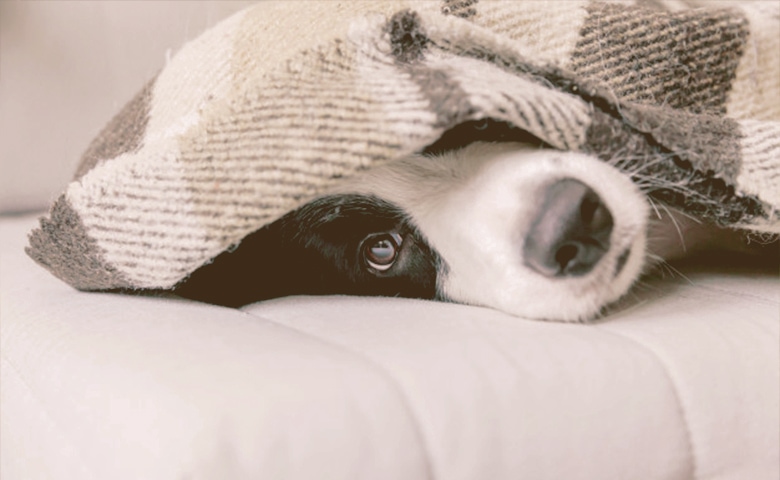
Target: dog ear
x,y
306,252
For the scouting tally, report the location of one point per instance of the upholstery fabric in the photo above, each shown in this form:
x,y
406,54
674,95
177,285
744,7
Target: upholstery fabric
x,y
685,384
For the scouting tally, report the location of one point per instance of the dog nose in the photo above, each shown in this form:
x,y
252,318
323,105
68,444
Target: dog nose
x,y
571,231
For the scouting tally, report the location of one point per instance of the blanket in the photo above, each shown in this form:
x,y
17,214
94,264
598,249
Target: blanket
x,y
274,105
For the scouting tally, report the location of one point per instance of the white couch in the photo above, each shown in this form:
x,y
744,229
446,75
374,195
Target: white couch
x,y
684,384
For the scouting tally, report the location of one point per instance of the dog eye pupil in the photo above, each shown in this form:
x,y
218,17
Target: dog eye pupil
x,y
381,251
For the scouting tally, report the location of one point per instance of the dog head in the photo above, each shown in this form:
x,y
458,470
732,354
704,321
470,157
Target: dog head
x,y
533,232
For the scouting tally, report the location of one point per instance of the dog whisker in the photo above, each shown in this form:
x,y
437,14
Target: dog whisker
x,y
655,208
661,266
676,225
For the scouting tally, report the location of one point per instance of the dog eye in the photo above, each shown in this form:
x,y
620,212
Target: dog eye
x,y
381,250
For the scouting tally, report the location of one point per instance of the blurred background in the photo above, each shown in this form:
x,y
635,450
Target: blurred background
x,y
66,67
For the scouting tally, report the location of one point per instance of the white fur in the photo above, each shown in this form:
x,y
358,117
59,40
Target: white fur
x,y
475,205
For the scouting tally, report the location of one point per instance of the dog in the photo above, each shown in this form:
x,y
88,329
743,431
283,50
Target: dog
x,y
534,232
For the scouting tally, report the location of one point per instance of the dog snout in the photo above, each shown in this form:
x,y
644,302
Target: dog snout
x,y
571,231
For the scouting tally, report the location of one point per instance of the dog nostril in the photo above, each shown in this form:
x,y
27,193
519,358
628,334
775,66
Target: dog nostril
x,y
594,213
571,231
565,255
589,206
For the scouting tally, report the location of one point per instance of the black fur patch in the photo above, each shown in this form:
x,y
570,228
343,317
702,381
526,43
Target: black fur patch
x,y
315,250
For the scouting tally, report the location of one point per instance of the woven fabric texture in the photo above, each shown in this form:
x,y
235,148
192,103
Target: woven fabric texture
x,y
274,105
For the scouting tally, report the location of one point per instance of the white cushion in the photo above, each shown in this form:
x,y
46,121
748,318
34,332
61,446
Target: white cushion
x,y
685,384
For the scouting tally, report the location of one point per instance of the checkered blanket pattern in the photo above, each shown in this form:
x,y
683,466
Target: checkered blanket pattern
x,y
277,103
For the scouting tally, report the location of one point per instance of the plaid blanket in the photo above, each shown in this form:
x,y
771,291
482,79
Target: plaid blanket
x,y
274,105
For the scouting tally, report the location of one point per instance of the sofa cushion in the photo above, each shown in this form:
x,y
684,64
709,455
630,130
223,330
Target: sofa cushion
x,y
683,384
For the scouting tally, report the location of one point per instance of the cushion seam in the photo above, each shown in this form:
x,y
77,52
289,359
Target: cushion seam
x,y
675,391
718,292
383,372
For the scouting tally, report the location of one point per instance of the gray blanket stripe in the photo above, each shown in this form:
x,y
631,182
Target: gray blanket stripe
x,y
661,58
124,133
66,248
